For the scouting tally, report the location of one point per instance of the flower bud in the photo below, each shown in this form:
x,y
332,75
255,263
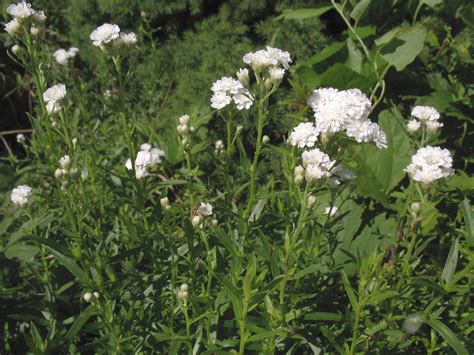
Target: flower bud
x,y
243,76
182,129
20,138
415,207
215,222
17,50
183,295
88,297
74,141
35,31
184,120
413,126
265,139
412,323
184,287
96,295
196,221
238,129
432,126
311,201
58,173
299,170
298,179
192,129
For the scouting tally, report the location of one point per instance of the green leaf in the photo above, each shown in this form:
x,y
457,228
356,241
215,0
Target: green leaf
x,y
380,170
244,161
301,14
228,243
79,322
21,251
413,42
447,335
431,3
326,53
257,210
359,9
350,291
354,61
387,37
327,316
341,77
451,262
374,299
468,221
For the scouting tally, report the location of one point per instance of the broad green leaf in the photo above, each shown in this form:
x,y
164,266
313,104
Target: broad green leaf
x,y
359,9
387,37
325,53
380,170
354,61
22,251
447,335
80,321
413,42
301,14
350,291
341,77
451,262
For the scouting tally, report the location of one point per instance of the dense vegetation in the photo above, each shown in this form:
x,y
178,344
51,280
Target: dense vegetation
x,y
244,222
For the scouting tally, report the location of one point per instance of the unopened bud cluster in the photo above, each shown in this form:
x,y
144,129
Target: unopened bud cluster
x,y
202,212
219,147
65,170
91,296
184,128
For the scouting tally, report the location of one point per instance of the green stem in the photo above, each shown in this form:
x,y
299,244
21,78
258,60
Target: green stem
x,y
293,241
242,325
355,329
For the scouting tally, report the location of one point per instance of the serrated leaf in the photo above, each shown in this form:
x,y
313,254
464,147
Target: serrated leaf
x,y
413,42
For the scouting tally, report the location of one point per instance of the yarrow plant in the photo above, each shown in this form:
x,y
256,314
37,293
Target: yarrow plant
x,y
299,226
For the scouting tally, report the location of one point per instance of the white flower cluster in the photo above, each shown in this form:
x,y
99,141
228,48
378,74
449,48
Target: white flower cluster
x,y
53,98
426,115
20,138
204,210
219,147
316,165
25,18
20,195
228,89
184,128
62,56
430,164
147,158
109,38
337,111
268,64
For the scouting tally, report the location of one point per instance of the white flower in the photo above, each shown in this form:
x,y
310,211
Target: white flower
x,y
413,126
280,56
430,164
128,39
147,157
425,113
196,220
276,74
243,76
227,85
322,96
62,56
55,93
105,34
330,117
184,120
356,105
165,203
65,161
88,297
21,11
53,107
58,173
20,195
243,100
432,126
20,138
317,164
39,16
205,209
13,27
331,211
220,100
304,135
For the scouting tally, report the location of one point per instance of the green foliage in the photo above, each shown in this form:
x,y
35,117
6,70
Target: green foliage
x,y
99,261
